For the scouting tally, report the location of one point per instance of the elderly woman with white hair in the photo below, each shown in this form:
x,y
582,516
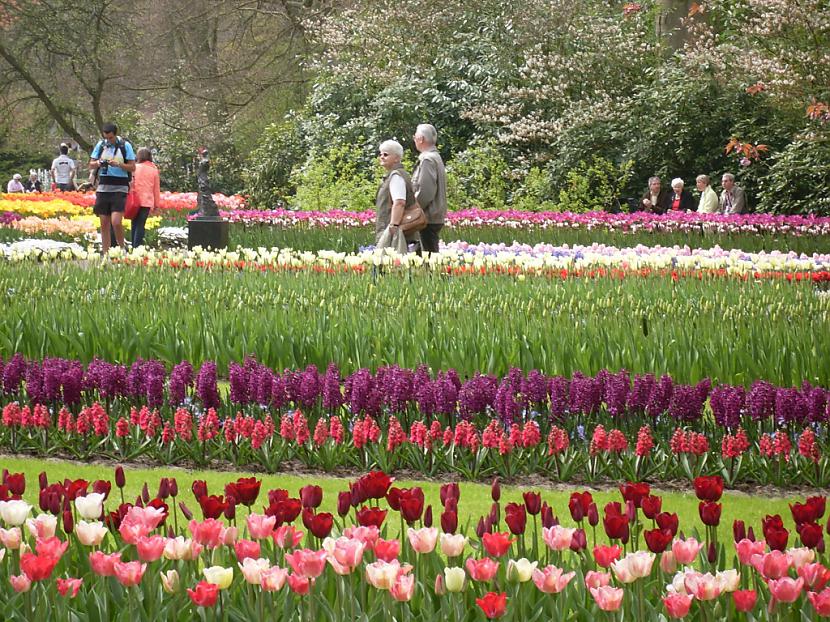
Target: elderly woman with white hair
x,y
395,195
680,200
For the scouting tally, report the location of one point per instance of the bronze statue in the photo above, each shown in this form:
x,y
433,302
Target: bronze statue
x,y
205,203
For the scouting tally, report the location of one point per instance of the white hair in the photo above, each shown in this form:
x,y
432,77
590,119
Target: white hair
x,y
703,178
427,132
391,146
677,182
728,177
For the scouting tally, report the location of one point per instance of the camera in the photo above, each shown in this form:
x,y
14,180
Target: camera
x,y
104,165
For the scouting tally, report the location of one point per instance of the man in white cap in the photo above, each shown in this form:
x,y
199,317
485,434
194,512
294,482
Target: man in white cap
x,y
15,185
63,170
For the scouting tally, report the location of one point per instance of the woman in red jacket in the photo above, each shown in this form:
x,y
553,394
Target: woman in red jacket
x,y
146,185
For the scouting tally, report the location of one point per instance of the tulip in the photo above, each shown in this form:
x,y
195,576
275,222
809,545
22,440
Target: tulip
x,y
709,488
453,545
668,562
252,569
558,538
129,573
677,605
346,551
387,550
515,516
815,576
744,600
422,540
205,594
747,548
69,587
90,534
170,581
179,548
497,544
260,527
91,506
550,579
482,569
454,579
605,555
520,571
438,587
786,589
820,602
102,564
608,598
300,585
710,513
773,565
686,551
493,605
287,537
20,583
272,579
44,526
657,540
307,563
801,556
449,521
344,503
311,496
15,512
120,480
150,548
729,580
245,549
533,502
495,490
702,586
207,533
633,566
382,575
597,579
11,538
403,589
37,567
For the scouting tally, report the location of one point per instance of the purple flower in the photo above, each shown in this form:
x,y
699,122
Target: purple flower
x,y
559,389
661,395
13,374
640,393
617,388
727,403
34,382
476,394
309,386
362,394
181,379
206,389
396,386
535,387
790,407
332,395
446,394
761,400
687,401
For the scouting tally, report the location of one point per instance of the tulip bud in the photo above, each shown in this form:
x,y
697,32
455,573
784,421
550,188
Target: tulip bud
x,y
428,516
164,488
439,585
449,521
230,510
68,522
120,480
187,513
820,546
494,513
738,530
145,493
344,503
174,487
548,518
579,542
480,530
139,501
5,475
43,480
495,489
750,534
712,554
55,503
593,515
630,511
43,500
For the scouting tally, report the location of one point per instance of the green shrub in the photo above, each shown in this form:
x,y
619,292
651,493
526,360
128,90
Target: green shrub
x,y
335,179
267,173
595,186
478,177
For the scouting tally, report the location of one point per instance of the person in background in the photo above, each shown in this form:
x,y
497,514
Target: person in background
x,y
656,199
63,170
15,185
430,183
708,197
146,183
33,183
680,200
114,159
394,196
733,198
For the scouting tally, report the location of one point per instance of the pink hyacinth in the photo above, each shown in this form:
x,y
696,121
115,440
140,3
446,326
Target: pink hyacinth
x,y
558,441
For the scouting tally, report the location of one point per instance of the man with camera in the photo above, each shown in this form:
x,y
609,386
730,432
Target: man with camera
x,y
114,159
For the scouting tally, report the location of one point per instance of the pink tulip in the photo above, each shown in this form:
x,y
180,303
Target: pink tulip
x,y
207,533
246,548
228,537
482,569
608,598
747,548
452,545
11,538
550,579
252,569
772,565
387,550
307,563
785,589
69,587
801,556
129,573
633,566
815,576
558,538
685,551
702,586
403,588
300,585
51,547
287,537
668,562
382,575
43,526
20,583
597,579
273,579
347,552
820,602
150,549
260,527
677,605
103,564
367,535
423,540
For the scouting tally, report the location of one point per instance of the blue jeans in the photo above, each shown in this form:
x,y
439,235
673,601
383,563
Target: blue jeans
x,y
137,227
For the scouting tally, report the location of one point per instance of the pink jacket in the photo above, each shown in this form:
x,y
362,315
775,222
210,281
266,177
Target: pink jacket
x,y
146,184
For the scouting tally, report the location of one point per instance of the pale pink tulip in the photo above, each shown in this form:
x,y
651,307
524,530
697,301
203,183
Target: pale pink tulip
x,y
273,579
608,598
685,551
633,566
597,579
11,538
20,583
252,569
150,548
180,548
229,536
129,573
382,575
786,589
90,534
287,537
668,562
43,526
367,535
729,580
423,540
307,563
482,569
260,527
403,588
452,545
702,586
558,538
550,579
801,556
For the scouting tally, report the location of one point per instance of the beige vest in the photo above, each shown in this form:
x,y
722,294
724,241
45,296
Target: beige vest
x,y
383,201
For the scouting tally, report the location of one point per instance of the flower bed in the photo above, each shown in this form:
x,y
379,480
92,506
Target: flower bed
x,y
51,203
86,552
586,428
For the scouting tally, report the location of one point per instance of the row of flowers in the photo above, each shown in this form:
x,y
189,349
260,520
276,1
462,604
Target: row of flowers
x,y
575,263
512,219
73,226
48,204
579,428
87,552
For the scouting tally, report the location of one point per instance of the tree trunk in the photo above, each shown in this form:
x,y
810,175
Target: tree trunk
x,y
668,22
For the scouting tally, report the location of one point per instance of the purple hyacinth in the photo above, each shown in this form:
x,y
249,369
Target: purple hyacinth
x,y
559,389
617,387
109,380
154,379
332,393
309,387
279,392
816,400
585,394
660,398
446,395
13,374
535,387
396,386
687,401
238,377
727,403
790,407
206,389
477,394
72,381
135,379
761,400
264,385
362,394
53,370
34,382
640,392
507,403
181,379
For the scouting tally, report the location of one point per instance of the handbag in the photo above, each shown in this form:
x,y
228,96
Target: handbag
x,y
132,206
414,219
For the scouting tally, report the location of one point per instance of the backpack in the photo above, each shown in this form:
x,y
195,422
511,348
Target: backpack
x,y
120,143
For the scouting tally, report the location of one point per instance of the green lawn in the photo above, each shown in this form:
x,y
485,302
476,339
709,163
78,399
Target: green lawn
x,y
475,498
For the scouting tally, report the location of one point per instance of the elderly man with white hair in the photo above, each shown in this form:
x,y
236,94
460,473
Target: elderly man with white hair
x,y
394,196
733,198
708,197
430,183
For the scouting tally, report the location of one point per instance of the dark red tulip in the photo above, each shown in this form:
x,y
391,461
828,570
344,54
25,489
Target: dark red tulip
x,y
495,513
709,487
709,513
42,480
818,503
145,493
199,488
495,489
174,487
750,534
630,511
368,516
311,496
4,493
213,506
230,508
480,527
658,540
593,515
515,516
533,502
68,522
75,488
635,492
811,534
579,503
548,518
449,521
102,486
738,530
712,553
652,506
276,495
320,524
120,480
245,490
393,498
579,542
666,520
286,511
428,516
164,488
344,503
449,491
114,518
185,511
616,527
451,504
411,504
374,485
803,513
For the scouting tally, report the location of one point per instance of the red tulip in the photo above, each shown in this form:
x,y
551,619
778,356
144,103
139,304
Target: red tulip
x,y
774,532
319,524
164,488
652,506
213,506
411,504
811,534
120,480
449,491
635,491
205,594
616,527
199,488
245,490
744,600
428,516
515,516
818,502
449,521
42,480
606,555
579,541
368,516
658,540
593,515
311,496
344,503
533,502
276,495
16,483
74,488
738,530
709,488
668,521
710,513
497,544
495,489
285,511
374,485
493,605
578,504
37,567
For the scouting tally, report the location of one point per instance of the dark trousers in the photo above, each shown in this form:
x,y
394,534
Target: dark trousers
x,y
137,227
429,238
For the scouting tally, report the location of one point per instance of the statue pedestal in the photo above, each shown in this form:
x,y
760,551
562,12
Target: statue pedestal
x,y
208,233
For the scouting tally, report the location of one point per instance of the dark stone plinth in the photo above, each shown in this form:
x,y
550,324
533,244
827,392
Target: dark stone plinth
x,y
208,233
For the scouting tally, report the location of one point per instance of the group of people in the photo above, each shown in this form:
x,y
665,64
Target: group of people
x,y
62,173
659,200
399,193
